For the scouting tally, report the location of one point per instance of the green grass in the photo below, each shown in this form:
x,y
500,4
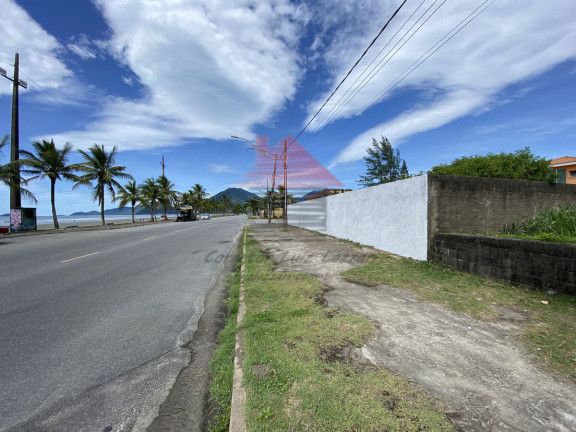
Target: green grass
x,y
555,224
222,362
550,332
294,376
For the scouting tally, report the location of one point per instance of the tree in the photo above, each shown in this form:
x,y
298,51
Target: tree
x,y
255,204
521,165
49,162
383,165
404,174
224,204
151,194
186,198
198,193
9,172
130,194
168,196
100,168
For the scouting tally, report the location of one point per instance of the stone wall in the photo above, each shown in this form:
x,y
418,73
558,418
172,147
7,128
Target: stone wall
x,y
532,264
477,205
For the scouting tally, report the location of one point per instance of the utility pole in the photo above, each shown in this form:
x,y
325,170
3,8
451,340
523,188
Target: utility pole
x,y
285,184
163,166
15,199
271,202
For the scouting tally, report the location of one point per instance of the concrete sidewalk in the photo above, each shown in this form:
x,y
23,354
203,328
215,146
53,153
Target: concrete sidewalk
x,y
474,368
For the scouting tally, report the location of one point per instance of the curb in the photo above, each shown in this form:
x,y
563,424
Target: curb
x,y
238,404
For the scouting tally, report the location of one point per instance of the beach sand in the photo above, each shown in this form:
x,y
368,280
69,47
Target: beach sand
x,y
96,223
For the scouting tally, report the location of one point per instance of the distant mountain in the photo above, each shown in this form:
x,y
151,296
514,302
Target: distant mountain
x,y
116,211
235,195
309,194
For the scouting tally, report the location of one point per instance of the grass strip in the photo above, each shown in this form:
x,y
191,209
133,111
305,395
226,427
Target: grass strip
x,y
550,332
222,362
295,373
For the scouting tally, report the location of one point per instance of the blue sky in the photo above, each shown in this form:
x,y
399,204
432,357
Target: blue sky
x,y
178,78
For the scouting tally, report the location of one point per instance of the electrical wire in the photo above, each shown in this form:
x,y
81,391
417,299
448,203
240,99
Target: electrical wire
x,y
350,71
416,64
327,117
377,69
389,55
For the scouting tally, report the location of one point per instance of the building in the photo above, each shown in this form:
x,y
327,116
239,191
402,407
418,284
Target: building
x,y
324,193
566,168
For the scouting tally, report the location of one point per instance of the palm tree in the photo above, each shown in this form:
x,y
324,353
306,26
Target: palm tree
x,y
198,193
186,198
100,168
9,173
151,195
50,162
225,204
130,193
168,196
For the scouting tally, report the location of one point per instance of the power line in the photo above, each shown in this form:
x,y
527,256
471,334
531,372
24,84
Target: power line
x,y
370,64
350,71
389,55
417,63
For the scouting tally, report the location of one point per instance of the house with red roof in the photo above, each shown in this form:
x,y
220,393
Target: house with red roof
x,y
565,166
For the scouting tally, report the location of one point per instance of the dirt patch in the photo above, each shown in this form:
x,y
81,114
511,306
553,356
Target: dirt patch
x,y
261,370
475,368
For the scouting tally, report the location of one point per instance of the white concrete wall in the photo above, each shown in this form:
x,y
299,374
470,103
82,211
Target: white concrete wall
x,y
309,214
392,217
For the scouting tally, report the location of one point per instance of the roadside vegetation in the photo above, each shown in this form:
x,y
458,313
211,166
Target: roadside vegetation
x,y
521,165
297,373
549,328
555,224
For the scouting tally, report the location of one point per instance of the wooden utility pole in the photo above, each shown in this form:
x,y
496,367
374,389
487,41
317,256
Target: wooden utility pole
x,y
285,184
271,210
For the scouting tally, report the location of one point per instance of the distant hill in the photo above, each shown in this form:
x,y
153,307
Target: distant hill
x,y
235,195
115,211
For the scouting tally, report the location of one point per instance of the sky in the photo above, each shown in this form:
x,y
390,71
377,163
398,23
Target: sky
x,y
178,78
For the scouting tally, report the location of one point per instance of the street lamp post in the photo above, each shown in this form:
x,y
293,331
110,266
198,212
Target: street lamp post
x,y
15,199
270,197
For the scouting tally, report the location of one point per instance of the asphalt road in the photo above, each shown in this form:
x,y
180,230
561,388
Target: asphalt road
x,y
92,323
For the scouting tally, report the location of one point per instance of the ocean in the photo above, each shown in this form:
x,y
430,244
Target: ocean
x,y
72,220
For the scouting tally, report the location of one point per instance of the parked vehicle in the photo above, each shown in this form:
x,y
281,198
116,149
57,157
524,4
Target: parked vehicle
x,y
204,217
186,214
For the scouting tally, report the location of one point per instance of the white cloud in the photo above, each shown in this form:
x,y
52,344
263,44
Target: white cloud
x,y
128,81
506,44
220,168
82,47
38,50
209,68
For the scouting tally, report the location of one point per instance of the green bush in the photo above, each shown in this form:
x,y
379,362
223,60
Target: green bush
x,y
520,165
551,224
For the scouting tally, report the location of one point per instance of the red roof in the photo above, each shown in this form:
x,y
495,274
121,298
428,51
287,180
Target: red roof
x,y
563,160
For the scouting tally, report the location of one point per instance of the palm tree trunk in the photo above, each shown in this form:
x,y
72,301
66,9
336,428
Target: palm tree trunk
x,y
52,196
132,212
102,207
152,212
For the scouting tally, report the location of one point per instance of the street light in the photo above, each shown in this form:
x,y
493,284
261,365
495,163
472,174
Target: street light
x,y
264,153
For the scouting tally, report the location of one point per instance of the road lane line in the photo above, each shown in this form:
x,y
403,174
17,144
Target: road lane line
x,y
149,238
83,256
